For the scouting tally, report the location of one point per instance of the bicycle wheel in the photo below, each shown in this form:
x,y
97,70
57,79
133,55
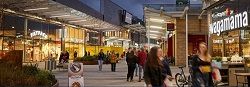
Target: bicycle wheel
x,y
180,80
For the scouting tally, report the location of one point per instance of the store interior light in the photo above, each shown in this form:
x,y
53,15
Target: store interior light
x,y
156,20
59,16
35,9
156,27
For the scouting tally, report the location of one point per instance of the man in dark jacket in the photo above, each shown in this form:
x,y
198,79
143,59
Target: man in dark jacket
x,y
131,62
100,59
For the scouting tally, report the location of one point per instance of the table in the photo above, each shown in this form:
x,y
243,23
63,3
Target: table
x,y
245,75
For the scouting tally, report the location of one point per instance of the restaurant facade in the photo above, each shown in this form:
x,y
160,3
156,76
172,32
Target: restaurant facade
x,y
229,31
229,37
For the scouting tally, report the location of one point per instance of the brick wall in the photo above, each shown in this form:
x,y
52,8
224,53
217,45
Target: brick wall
x,y
196,27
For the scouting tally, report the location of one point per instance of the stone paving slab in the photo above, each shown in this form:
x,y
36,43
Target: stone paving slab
x,y
105,78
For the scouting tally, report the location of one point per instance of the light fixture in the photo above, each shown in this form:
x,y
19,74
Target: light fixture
x,y
34,9
90,25
155,32
156,20
78,21
153,35
59,16
156,27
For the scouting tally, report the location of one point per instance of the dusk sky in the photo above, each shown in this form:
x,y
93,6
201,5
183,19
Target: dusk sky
x,y
133,6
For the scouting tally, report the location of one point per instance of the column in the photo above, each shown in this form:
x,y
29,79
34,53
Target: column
x,y
25,38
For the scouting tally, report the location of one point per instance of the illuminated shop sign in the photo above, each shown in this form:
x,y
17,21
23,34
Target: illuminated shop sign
x,y
229,23
39,33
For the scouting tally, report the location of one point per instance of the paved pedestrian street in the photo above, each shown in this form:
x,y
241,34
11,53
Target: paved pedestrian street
x,y
105,78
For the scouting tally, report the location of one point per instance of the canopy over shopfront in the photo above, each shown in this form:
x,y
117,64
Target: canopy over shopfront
x,y
52,11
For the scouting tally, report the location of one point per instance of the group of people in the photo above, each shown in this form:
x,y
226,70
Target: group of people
x,y
64,57
112,58
154,67
157,71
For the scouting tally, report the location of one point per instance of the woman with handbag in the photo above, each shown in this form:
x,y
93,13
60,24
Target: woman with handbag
x,y
202,69
155,69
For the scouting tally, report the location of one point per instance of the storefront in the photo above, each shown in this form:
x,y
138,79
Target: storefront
x,y
229,37
229,29
39,41
117,38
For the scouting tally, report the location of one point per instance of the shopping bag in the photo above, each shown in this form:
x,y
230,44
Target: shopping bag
x,y
216,75
168,83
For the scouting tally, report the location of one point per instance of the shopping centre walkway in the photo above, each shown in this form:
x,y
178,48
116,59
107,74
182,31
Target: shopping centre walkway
x,y
105,78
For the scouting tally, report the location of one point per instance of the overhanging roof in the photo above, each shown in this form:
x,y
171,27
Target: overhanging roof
x,y
49,9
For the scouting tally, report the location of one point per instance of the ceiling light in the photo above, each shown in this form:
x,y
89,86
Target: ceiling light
x,y
34,9
155,32
156,27
153,37
59,16
156,20
90,25
78,21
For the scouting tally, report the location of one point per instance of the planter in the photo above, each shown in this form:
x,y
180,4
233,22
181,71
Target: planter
x,y
56,85
89,62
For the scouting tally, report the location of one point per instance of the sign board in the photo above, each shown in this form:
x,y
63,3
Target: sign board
x,y
75,74
128,18
229,23
170,26
39,33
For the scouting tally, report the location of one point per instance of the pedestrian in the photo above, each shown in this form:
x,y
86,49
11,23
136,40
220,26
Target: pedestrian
x,y
142,56
131,62
155,72
201,66
85,54
136,56
67,57
75,55
113,59
88,53
100,59
61,57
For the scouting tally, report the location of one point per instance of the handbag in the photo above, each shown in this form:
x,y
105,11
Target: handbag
x,y
216,75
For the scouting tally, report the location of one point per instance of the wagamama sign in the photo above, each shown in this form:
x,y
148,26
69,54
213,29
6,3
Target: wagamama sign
x,y
229,23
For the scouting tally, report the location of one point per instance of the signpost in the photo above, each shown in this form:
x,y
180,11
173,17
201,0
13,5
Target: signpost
x,y
75,74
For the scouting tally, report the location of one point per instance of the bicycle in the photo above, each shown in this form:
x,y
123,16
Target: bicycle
x,y
181,79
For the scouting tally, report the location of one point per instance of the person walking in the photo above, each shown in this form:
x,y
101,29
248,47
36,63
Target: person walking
x,y
201,66
131,62
155,72
113,59
142,56
67,57
136,56
100,59
75,55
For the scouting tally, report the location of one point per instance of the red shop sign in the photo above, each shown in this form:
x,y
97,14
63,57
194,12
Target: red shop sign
x,y
170,27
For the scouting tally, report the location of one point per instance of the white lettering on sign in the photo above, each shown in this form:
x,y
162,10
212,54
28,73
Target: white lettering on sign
x,y
39,33
229,23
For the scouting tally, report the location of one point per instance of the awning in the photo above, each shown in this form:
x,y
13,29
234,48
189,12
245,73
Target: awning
x,y
136,27
49,9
